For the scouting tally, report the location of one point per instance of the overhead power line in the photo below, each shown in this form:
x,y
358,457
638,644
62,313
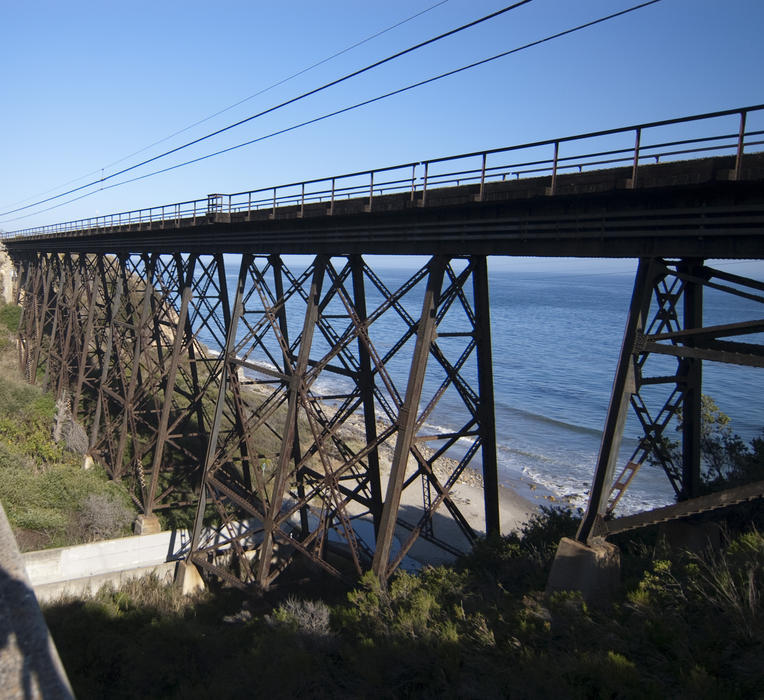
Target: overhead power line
x,y
262,113
357,105
239,102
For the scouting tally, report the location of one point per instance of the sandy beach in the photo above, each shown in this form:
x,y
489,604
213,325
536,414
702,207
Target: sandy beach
x,y
467,495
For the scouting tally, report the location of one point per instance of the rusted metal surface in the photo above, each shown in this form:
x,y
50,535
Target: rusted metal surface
x,y
666,319
271,400
683,509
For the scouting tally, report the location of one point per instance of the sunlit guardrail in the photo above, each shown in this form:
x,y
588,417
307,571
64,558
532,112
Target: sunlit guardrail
x,y
635,146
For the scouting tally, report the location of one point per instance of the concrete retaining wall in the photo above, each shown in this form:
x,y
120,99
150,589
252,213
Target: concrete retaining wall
x,y
84,568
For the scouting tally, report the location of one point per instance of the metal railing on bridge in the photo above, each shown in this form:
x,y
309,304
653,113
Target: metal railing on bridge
x,y
634,146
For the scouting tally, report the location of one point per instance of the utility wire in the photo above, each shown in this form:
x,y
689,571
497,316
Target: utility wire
x,y
357,105
304,95
242,101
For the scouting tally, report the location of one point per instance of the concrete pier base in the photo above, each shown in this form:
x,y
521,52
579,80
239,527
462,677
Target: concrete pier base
x,y
188,578
594,570
146,525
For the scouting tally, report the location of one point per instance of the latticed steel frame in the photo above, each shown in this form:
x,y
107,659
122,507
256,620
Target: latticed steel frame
x,y
269,411
666,320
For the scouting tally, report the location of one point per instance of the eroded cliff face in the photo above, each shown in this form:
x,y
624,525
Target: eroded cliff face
x,y
6,276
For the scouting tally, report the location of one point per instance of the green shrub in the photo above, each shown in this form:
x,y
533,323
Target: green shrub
x,y
10,315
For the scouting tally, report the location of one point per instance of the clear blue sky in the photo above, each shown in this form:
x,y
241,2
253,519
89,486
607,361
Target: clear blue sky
x,y
86,83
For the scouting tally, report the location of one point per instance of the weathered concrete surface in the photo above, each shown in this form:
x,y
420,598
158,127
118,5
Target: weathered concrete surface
x,y
594,571
188,578
147,525
29,663
85,568
89,585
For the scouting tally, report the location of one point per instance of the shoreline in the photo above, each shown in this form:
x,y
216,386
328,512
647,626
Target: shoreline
x,y
466,493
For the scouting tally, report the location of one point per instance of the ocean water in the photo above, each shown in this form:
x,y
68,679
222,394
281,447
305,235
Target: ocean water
x,y
556,339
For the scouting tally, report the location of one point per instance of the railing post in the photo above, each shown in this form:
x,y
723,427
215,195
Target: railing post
x,y
424,184
482,178
740,146
331,206
302,201
273,213
633,184
371,188
413,181
553,187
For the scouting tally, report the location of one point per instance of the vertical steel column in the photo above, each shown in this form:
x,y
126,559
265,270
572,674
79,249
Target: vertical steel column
x,y
46,270
691,371
485,389
287,444
93,286
59,302
408,414
187,291
230,323
278,280
140,322
246,446
623,387
193,259
366,387
28,316
71,314
112,307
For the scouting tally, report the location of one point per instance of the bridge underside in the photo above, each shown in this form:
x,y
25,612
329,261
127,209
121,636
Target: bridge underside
x,y
288,411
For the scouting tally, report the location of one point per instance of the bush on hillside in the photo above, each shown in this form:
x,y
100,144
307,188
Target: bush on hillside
x,y
10,315
104,516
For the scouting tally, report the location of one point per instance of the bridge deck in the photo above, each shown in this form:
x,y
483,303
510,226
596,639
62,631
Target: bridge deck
x,y
689,208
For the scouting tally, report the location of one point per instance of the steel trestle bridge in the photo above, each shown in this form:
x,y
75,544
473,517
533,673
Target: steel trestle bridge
x,y
265,404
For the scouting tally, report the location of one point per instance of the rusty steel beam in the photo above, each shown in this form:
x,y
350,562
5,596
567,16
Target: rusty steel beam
x,y
277,408
485,392
366,387
295,395
407,417
676,288
624,385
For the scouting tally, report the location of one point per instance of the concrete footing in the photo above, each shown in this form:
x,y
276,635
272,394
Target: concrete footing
x,y
594,570
146,525
188,578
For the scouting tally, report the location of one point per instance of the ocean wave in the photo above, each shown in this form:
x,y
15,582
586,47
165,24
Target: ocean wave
x,y
574,492
546,420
